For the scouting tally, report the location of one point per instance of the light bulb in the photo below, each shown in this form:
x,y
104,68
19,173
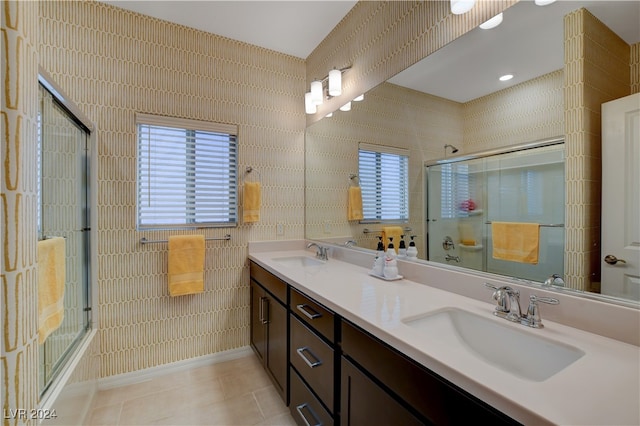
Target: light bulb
x,y
492,23
335,82
459,7
316,92
309,106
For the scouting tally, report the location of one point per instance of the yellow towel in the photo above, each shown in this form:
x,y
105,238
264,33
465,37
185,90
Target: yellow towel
x,y
186,264
251,201
51,283
517,242
354,209
393,232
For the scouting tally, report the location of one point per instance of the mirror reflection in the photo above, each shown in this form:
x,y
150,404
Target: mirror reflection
x,y
445,103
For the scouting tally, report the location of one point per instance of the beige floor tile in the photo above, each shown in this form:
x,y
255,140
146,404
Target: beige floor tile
x,y
270,402
236,392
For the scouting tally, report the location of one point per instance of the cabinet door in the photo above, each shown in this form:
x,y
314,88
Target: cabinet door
x,y
276,362
363,402
258,336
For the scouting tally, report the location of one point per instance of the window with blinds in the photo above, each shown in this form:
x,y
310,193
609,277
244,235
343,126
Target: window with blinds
x,y
187,173
384,181
455,190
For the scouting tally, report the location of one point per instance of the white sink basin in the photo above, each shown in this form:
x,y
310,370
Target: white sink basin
x,y
298,261
519,352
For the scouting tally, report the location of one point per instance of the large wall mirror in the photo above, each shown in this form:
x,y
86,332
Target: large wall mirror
x,y
454,97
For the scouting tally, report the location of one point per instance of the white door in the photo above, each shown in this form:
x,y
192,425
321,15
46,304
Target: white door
x,y
621,197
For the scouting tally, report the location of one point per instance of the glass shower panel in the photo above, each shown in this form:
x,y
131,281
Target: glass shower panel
x,y
465,196
63,212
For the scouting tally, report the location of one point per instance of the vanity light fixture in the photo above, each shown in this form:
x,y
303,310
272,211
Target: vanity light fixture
x,y
544,2
506,77
458,7
493,22
321,91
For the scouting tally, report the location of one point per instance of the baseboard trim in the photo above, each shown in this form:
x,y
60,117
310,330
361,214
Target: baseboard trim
x,y
153,372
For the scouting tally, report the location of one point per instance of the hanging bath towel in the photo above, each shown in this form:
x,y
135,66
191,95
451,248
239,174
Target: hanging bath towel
x,y
251,201
51,283
186,264
354,208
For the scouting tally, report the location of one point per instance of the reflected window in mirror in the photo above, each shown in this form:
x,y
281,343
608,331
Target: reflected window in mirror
x,y
384,179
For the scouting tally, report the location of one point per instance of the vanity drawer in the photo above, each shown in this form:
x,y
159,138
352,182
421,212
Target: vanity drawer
x,y
313,359
313,314
270,282
304,406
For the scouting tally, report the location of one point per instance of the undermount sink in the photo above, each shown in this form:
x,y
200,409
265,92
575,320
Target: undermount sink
x,y
298,261
518,352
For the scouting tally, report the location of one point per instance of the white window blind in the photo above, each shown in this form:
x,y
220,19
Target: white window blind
x,y
384,181
187,173
455,190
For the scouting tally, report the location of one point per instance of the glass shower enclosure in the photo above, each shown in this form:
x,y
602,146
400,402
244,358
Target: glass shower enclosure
x,y
466,194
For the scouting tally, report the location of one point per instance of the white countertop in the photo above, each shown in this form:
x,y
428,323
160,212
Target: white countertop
x,y
600,388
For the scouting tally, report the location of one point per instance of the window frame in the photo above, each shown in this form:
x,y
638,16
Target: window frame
x,y
191,129
379,151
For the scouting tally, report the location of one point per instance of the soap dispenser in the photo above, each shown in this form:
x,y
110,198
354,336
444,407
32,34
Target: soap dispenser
x,y
402,249
390,262
378,264
412,251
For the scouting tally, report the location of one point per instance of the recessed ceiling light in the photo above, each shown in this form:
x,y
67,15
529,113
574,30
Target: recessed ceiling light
x,y
492,23
506,77
544,2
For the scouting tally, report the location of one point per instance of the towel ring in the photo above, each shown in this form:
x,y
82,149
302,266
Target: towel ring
x,y
353,176
250,169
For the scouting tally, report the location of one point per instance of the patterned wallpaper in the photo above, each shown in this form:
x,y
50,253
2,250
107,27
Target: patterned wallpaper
x,y
115,63
597,70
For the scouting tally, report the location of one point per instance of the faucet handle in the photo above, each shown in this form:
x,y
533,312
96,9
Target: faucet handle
x,y
533,313
501,297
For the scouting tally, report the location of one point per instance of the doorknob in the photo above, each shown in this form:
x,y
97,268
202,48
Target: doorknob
x,y
612,260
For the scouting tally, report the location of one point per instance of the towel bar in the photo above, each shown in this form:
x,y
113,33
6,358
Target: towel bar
x,y
368,231
550,225
143,240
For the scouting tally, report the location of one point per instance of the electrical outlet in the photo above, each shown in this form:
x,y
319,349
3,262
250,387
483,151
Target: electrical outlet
x,y
280,229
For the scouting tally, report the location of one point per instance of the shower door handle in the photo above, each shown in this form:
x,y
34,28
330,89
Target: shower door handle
x,y
612,260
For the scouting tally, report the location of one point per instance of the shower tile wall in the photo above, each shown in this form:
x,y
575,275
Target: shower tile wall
x,y
19,370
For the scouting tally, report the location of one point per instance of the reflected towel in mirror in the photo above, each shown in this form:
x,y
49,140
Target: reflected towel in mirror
x,y
517,242
392,232
51,283
186,264
354,208
251,202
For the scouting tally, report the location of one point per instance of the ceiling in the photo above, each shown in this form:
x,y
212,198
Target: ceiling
x,y
527,44
291,27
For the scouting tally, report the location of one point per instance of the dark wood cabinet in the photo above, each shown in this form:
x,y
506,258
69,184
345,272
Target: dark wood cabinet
x,y
431,398
363,402
269,333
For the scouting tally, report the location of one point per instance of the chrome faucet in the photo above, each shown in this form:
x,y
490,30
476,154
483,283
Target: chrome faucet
x,y
321,251
449,257
350,243
508,306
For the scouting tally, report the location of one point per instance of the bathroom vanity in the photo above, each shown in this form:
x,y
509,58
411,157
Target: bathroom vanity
x,y
363,350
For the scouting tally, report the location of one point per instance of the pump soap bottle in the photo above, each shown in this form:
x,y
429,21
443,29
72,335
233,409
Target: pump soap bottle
x,y
390,262
412,251
402,249
378,264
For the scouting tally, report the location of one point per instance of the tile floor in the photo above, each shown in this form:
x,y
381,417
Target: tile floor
x,y
236,392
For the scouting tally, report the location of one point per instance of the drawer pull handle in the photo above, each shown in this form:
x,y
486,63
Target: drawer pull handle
x,y
315,422
264,314
316,363
308,311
